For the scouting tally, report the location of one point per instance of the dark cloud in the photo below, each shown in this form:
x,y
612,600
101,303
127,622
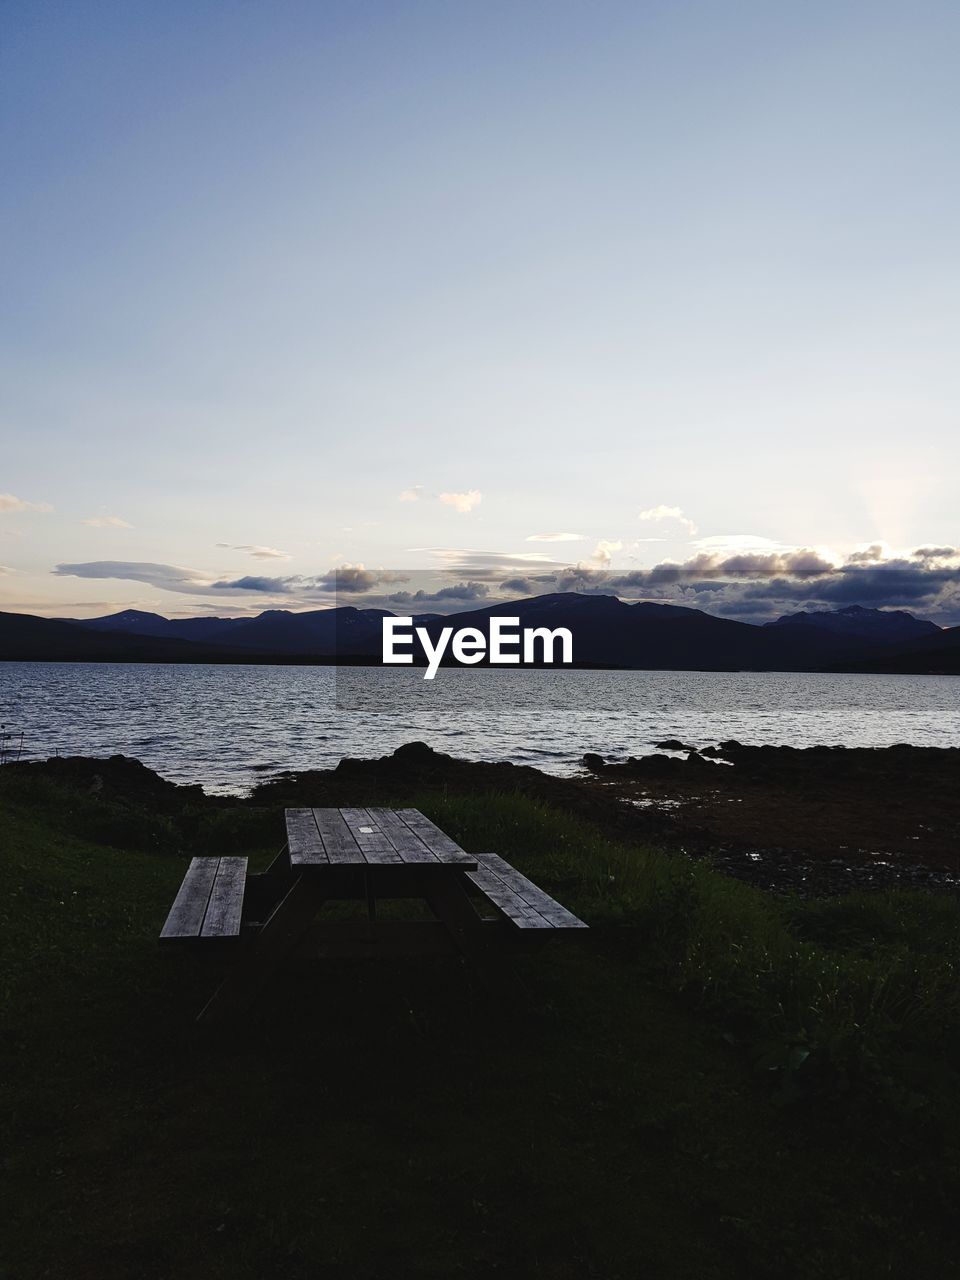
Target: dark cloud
x,y
868,555
254,582
355,579
936,553
461,591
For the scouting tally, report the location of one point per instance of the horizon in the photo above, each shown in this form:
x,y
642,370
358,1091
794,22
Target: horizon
x,y
454,609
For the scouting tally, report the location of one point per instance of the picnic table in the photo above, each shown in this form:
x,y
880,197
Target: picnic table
x,y
262,920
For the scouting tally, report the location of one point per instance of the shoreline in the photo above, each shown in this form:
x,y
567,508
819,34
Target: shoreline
x,y
816,821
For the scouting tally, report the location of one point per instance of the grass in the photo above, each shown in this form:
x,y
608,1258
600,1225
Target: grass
x,y
713,1082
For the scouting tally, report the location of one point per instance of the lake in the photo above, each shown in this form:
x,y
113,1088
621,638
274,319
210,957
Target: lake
x,y
228,726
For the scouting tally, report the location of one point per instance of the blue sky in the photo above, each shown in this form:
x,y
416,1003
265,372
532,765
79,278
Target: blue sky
x,y
293,286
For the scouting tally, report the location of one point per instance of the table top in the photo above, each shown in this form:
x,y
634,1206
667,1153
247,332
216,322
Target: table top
x,y
355,837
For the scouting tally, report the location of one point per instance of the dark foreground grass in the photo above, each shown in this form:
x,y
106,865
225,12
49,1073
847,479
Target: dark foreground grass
x,y
712,1082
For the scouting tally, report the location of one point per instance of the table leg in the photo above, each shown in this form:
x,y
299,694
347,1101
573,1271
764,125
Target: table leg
x,y
257,963
450,903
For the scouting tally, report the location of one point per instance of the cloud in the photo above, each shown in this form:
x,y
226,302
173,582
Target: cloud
x,y
167,577
462,502
254,582
107,522
258,553
869,555
462,591
5,570
936,553
8,502
668,513
739,542
755,585
352,578
413,494
555,537
488,565
759,585
603,551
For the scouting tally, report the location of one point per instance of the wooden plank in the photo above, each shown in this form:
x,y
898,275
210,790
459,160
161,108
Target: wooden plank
x,y
373,841
185,918
530,893
303,838
406,842
338,840
226,900
506,901
437,841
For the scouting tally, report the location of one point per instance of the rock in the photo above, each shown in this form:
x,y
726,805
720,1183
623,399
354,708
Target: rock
x,y
593,762
673,744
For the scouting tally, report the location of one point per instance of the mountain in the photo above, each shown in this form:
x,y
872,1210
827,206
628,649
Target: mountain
x,y
275,631
25,638
609,632
887,626
930,655
606,632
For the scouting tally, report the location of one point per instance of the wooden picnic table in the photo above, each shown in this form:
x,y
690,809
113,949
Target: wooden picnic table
x,y
363,854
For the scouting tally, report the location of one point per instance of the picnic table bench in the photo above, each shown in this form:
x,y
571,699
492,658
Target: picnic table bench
x,y
364,854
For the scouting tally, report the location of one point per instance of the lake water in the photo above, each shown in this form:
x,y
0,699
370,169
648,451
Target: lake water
x,y
228,726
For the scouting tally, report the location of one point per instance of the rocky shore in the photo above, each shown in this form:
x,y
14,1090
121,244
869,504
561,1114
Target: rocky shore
x,y
820,820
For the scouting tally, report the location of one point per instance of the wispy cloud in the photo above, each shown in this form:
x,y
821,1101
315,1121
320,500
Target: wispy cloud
x,y
413,494
9,502
107,522
555,537
675,514
462,502
167,577
257,552
735,542
488,565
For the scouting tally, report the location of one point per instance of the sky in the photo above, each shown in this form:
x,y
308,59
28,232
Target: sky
x,y
299,294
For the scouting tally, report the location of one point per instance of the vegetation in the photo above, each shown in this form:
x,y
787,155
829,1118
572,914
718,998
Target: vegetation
x,y
712,1082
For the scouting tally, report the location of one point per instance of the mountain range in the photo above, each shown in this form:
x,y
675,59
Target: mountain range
x,y
607,632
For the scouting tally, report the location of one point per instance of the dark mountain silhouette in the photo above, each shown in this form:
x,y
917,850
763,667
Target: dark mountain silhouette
x,y
930,655
25,638
275,631
606,632
609,632
890,626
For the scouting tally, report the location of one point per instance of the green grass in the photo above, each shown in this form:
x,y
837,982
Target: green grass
x,y
712,1082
